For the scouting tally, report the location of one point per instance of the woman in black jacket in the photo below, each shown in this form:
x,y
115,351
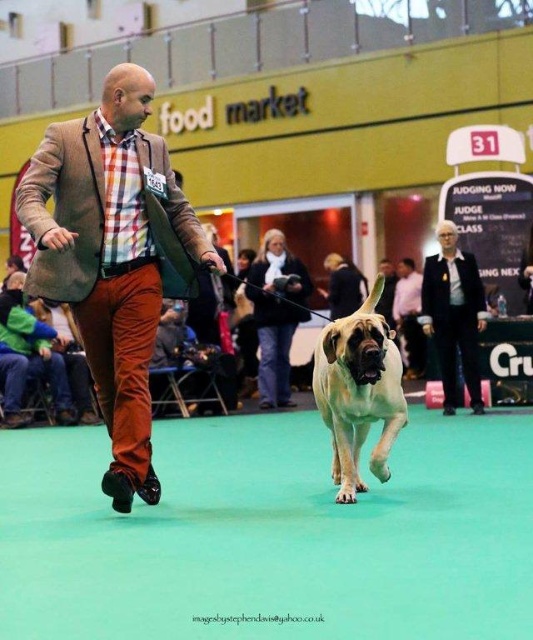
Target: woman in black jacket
x,y
454,312
276,319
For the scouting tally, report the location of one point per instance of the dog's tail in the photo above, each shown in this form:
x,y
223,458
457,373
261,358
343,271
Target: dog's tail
x,y
370,303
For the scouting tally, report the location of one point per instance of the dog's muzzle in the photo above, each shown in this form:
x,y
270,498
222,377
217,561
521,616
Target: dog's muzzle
x,y
368,366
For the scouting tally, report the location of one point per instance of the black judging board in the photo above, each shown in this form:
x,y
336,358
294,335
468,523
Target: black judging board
x,y
494,214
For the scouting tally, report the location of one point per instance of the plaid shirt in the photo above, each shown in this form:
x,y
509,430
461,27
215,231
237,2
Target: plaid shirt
x,y
127,232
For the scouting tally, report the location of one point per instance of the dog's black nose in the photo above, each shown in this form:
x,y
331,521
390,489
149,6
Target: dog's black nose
x,y
372,353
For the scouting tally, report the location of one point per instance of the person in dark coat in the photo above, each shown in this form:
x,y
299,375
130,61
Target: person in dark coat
x,y
386,302
453,312
245,328
277,320
525,277
216,294
348,287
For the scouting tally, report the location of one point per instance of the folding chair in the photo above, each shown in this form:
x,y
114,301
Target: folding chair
x,y
37,400
176,393
172,393
188,372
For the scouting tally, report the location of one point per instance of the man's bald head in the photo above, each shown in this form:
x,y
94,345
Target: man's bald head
x,y
127,96
126,76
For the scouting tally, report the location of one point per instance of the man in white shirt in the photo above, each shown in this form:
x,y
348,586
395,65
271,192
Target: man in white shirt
x,y
406,308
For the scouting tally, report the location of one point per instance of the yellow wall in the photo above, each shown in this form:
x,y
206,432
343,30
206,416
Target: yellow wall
x,y
375,121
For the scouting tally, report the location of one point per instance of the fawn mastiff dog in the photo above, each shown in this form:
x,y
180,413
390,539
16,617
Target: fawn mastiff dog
x,y
357,381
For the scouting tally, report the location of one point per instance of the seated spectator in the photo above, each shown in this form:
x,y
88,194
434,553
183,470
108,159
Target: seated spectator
x,y
25,353
68,344
13,263
172,339
176,345
172,333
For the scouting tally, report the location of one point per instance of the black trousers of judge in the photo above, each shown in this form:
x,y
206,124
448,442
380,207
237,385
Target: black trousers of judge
x,y
459,331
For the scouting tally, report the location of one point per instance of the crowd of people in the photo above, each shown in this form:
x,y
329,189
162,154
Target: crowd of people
x,y
39,342
261,309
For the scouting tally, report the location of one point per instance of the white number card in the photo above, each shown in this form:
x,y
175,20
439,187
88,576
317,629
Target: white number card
x,y
155,182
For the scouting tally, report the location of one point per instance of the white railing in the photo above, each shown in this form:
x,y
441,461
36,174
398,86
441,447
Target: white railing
x,y
271,37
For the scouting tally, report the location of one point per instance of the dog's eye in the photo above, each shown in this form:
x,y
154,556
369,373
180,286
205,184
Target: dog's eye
x,y
376,335
356,338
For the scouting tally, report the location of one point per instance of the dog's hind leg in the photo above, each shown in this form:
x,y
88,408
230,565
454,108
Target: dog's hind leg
x,y
344,439
361,433
380,454
335,463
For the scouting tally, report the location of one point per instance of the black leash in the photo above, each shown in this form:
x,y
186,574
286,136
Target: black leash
x,y
205,266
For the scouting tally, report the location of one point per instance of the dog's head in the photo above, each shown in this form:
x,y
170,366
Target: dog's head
x,y
359,343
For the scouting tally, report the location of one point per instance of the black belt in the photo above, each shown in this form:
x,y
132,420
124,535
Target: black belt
x,y
125,267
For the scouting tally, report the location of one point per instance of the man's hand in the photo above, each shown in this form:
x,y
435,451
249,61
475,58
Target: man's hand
x,y
219,267
59,239
481,325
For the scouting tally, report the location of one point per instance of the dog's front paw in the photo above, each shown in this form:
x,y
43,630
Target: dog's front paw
x,y
346,496
380,470
360,486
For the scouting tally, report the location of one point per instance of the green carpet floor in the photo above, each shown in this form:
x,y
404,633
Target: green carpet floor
x,y
248,526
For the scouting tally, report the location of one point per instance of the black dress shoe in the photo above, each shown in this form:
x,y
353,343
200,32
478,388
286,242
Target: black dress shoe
x,y
448,410
150,492
287,403
266,405
117,485
478,410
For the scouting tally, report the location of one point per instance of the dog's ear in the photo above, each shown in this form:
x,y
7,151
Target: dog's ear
x,y
329,344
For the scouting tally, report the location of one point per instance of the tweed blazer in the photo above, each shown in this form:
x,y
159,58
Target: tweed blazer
x,y
68,165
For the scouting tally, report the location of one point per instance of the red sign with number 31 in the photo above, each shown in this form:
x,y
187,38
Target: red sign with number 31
x,y
484,143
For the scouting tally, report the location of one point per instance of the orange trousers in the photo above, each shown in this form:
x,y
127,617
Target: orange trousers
x,y
118,324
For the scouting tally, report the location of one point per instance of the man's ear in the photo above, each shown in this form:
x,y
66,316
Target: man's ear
x,y
329,344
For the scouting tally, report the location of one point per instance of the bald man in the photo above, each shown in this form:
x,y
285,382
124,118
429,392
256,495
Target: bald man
x,y
121,237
